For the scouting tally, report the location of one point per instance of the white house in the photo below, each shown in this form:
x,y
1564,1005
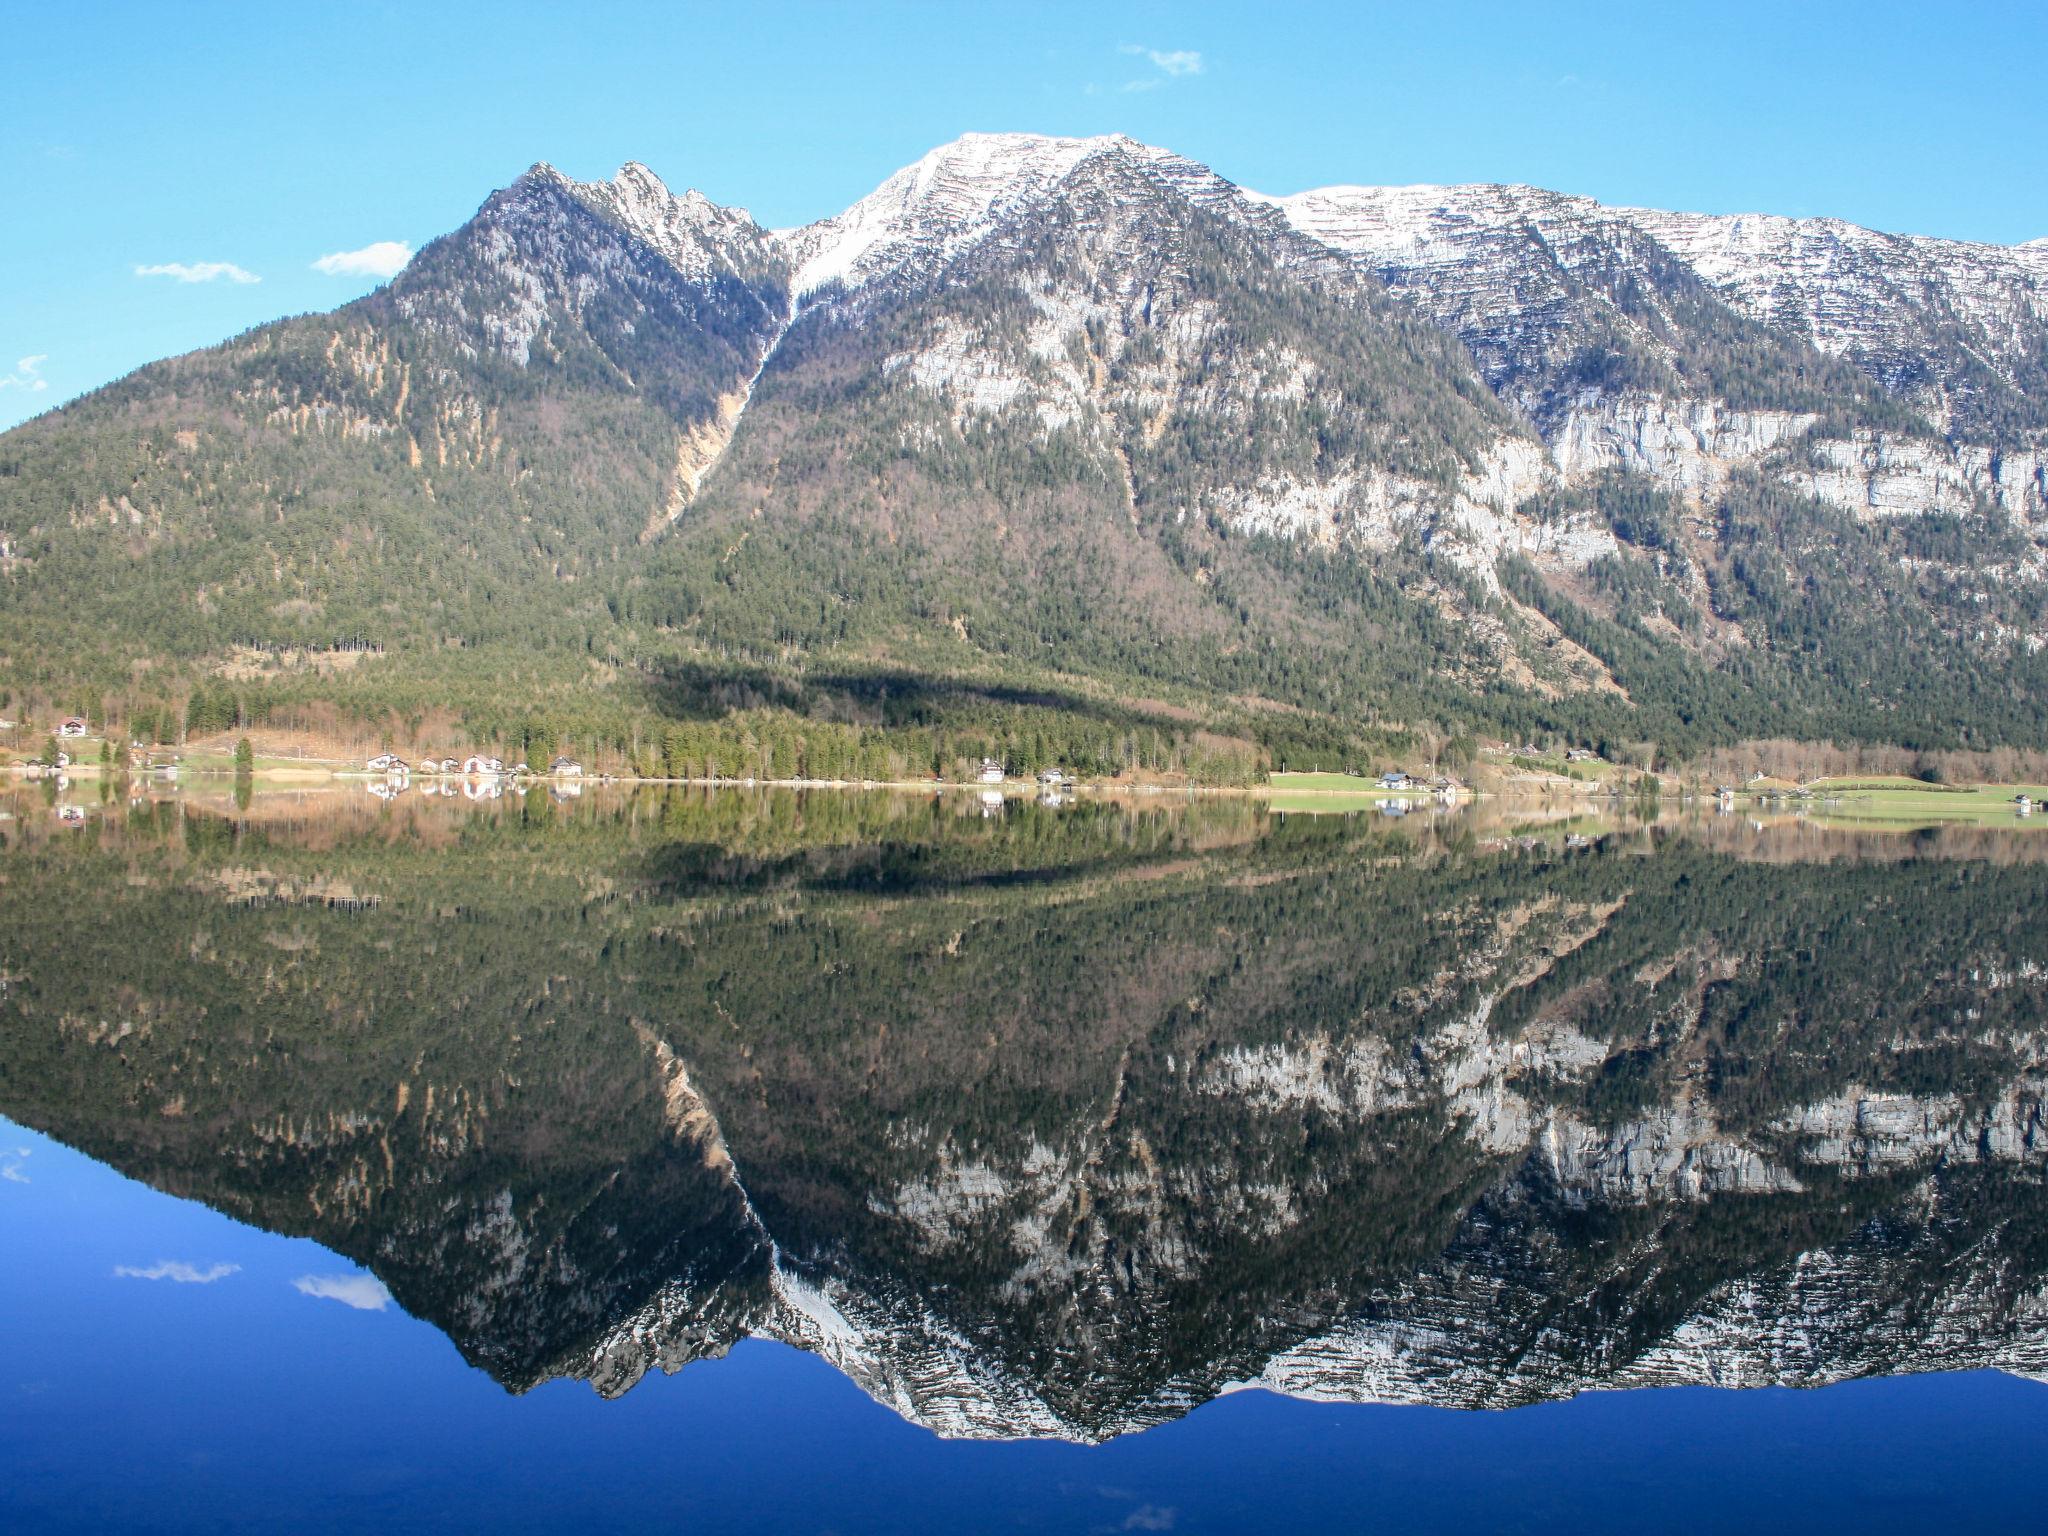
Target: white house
x,y
566,768
477,766
72,727
386,762
991,771
1051,776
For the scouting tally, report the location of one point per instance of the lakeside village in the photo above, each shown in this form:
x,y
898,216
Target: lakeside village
x,y
72,750
480,777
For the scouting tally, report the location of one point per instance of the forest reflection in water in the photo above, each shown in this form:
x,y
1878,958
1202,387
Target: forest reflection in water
x,y
1059,1120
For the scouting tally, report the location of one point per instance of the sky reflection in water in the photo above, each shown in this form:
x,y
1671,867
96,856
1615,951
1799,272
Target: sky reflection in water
x,y
166,1367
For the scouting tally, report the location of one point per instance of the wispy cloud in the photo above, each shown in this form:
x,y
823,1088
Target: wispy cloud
x,y
28,375
179,1271
365,1293
1150,1517
1172,64
380,258
198,271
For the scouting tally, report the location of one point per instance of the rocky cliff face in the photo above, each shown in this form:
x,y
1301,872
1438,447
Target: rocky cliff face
x,y
1570,307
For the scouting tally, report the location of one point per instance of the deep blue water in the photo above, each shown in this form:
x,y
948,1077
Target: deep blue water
x,y
244,1403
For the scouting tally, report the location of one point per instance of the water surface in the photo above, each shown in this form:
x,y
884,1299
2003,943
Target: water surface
x,y
901,1163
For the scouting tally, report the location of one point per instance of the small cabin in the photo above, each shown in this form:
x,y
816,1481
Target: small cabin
x,y
72,726
386,762
1393,778
991,771
566,768
477,766
1582,755
1051,776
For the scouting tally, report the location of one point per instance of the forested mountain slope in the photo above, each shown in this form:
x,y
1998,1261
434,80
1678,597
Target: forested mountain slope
x,y
1055,420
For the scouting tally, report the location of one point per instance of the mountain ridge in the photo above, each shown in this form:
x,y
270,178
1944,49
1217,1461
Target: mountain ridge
x,y
1284,430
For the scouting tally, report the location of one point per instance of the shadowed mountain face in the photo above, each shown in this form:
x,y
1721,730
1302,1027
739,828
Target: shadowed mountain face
x,y
1063,1121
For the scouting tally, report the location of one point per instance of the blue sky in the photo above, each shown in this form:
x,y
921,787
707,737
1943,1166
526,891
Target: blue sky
x,y
264,137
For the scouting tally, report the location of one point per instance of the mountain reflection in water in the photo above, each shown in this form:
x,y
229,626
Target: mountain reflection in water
x,y
1062,1120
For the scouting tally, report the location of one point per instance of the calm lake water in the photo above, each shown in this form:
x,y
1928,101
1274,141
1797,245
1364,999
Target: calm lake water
x,y
860,1163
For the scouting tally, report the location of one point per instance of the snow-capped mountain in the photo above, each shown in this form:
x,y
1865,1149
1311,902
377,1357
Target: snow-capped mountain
x,y
1548,289
1601,327
931,212
1085,406
1910,311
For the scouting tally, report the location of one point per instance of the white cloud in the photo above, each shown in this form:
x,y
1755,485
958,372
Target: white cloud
x,y
28,375
1150,1517
12,1173
380,258
198,271
178,1270
365,1293
1170,61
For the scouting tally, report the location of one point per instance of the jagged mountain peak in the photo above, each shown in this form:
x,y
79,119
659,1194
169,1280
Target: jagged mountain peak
x,y
944,203
1949,325
700,238
697,236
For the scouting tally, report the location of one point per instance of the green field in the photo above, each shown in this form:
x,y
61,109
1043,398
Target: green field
x,y
1323,783
1330,794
